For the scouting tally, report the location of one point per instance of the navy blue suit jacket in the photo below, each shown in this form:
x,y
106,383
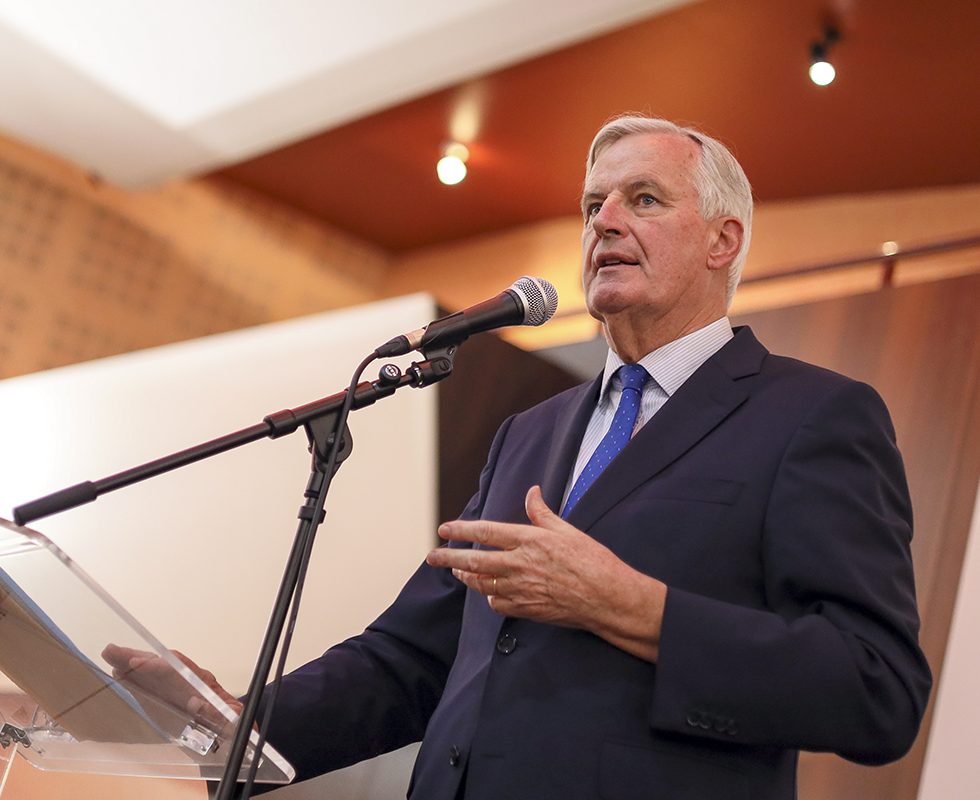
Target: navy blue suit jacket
x,y
770,497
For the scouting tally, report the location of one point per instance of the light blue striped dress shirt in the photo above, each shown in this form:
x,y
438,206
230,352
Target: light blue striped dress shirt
x,y
669,366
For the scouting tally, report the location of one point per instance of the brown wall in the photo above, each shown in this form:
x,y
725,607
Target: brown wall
x,y
918,346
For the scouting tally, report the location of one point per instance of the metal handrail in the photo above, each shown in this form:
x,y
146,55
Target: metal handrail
x,y
888,257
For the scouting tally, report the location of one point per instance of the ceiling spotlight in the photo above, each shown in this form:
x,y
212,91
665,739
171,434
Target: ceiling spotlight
x,y
451,168
822,72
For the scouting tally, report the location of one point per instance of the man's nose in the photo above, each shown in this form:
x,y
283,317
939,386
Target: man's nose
x,y
608,220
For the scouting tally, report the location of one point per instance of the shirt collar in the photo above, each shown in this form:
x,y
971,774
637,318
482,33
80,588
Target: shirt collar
x,y
676,361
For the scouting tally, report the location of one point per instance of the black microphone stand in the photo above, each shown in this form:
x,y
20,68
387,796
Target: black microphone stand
x,y
323,421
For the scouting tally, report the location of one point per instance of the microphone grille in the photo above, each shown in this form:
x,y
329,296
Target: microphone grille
x,y
540,299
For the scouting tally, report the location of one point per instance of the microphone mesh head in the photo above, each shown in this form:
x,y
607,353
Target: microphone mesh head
x,y
539,297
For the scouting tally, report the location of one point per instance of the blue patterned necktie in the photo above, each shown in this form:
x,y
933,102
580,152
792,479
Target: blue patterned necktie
x,y
632,377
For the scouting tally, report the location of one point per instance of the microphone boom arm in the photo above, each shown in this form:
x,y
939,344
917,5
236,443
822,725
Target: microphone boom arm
x,y
273,426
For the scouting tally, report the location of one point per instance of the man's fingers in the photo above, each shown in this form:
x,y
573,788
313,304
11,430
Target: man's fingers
x,y
476,531
120,657
502,535
484,584
479,562
125,660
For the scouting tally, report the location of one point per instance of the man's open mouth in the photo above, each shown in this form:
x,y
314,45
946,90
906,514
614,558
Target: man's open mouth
x,y
615,261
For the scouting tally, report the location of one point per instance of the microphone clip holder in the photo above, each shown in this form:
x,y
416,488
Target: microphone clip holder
x,y
437,366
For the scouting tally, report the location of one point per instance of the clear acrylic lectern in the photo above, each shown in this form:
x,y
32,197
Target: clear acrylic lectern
x,y
65,708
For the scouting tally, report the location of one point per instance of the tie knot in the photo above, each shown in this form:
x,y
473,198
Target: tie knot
x,y
633,376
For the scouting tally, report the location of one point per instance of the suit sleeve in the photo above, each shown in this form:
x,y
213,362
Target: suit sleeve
x,y
832,662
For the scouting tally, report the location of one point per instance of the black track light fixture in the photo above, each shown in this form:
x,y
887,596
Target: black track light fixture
x,y
822,72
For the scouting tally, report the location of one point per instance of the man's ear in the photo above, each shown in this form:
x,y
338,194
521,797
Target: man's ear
x,y
726,239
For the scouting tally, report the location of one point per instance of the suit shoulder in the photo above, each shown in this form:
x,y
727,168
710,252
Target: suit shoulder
x,y
803,390
745,356
793,370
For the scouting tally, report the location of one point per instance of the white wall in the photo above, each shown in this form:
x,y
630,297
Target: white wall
x,y
197,554
952,767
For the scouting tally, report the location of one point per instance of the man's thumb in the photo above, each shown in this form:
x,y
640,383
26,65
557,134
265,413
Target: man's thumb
x,y
537,510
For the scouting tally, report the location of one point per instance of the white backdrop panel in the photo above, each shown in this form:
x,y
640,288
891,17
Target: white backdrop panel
x,y
952,770
197,554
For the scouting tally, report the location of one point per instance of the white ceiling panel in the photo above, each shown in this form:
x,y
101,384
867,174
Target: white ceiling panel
x,y
139,91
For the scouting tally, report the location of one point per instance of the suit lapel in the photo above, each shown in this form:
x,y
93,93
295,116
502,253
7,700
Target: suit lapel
x,y
570,425
705,400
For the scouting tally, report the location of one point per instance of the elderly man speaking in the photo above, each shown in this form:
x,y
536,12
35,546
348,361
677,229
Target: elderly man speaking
x,y
672,578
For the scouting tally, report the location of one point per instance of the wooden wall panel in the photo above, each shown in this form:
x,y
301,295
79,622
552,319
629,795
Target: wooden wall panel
x,y
918,346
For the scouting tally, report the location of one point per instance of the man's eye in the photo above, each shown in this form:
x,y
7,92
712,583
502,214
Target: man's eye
x,y
647,200
592,209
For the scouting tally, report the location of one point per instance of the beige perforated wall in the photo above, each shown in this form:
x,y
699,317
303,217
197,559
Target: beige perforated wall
x,y
88,270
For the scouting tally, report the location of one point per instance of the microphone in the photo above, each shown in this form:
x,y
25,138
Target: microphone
x,y
528,301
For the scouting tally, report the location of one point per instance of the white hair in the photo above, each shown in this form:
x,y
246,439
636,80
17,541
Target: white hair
x,y
721,184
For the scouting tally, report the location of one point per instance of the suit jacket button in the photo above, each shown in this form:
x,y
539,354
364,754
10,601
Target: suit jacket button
x,y
506,643
692,719
454,756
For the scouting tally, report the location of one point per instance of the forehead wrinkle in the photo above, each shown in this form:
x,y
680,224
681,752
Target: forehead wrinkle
x,y
690,155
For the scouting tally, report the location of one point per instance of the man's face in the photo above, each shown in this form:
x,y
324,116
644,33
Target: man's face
x,y
645,244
